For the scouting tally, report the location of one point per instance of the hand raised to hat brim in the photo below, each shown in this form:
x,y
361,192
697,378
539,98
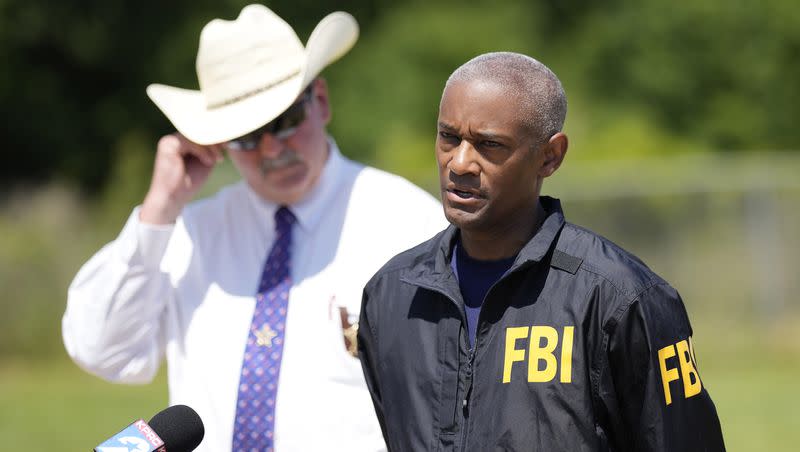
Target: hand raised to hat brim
x,y
181,168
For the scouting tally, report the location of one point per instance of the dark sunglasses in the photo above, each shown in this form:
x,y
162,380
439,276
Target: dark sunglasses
x,y
282,127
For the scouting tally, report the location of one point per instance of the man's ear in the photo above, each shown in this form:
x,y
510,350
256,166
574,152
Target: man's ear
x,y
553,152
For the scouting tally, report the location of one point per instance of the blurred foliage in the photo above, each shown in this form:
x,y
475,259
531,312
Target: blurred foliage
x,y
74,75
725,73
717,74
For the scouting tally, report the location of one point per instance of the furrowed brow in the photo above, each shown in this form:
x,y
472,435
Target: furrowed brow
x,y
489,136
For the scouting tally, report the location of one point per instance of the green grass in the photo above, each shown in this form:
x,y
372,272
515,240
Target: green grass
x,y
758,406
751,371
56,406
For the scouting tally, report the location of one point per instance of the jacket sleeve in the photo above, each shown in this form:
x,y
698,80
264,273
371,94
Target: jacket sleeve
x,y
651,386
368,354
115,305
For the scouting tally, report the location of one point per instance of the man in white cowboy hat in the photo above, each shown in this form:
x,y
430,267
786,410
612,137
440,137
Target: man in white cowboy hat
x,y
253,294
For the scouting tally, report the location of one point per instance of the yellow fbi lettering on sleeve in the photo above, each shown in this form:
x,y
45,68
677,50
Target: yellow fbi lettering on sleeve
x,y
540,353
688,372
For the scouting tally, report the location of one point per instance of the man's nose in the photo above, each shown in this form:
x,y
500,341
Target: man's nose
x,y
269,146
463,161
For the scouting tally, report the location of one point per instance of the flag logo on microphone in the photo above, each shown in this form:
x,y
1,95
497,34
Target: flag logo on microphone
x,y
137,437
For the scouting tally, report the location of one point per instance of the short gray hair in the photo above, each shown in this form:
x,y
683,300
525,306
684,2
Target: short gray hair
x,y
538,88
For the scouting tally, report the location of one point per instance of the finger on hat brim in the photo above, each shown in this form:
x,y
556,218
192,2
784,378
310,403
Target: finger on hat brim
x,y
188,112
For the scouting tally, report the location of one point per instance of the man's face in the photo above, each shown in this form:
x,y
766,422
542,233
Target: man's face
x,y
490,166
285,169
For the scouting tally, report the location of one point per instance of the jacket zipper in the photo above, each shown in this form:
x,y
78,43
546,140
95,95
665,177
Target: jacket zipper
x,y
470,367
465,400
470,359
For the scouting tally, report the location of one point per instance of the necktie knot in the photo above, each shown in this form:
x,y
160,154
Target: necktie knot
x,y
284,219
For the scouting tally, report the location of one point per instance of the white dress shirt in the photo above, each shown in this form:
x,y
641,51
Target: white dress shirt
x,y
187,292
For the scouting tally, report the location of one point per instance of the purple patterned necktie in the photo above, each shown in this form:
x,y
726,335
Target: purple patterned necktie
x,y
258,385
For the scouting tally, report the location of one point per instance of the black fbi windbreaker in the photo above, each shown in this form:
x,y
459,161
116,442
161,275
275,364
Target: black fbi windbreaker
x,y
580,347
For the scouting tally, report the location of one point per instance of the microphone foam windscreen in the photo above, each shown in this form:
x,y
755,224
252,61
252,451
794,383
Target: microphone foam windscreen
x,y
180,427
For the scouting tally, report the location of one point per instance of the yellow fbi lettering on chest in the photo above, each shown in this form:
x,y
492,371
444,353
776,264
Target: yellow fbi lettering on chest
x,y
540,354
688,373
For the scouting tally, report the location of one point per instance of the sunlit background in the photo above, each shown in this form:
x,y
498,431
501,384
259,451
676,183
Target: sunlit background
x,y
684,138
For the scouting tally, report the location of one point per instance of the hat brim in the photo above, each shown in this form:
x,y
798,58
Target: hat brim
x,y
187,110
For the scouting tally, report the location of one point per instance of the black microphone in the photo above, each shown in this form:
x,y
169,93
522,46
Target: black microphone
x,y
180,427
174,429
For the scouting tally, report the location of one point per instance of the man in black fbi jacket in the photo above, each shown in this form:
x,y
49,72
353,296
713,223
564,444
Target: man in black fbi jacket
x,y
512,329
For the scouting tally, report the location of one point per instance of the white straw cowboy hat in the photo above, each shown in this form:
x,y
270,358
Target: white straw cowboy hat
x,y
250,70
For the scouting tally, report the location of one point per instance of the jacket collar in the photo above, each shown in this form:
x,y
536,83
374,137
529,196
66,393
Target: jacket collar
x,y
437,273
538,246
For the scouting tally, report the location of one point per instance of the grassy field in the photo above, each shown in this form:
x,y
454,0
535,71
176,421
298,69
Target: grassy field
x,y
752,377
58,407
751,372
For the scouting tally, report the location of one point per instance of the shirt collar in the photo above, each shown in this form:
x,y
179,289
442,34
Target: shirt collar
x,y
310,209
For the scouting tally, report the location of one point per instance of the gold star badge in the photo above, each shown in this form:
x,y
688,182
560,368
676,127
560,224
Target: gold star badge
x,y
265,335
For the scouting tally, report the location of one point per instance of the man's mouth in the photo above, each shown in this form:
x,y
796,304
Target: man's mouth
x,y
463,194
